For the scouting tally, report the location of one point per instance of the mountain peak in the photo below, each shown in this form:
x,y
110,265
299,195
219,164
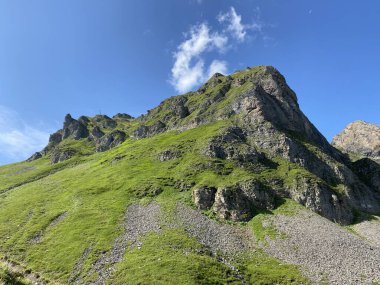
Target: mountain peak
x,y
359,138
262,122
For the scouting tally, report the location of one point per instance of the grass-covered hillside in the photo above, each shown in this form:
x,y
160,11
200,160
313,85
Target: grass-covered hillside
x,y
182,195
57,211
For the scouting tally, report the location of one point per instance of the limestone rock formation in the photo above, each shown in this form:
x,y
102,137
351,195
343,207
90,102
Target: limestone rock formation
x,y
73,129
110,140
360,138
59,155
263,133
237,203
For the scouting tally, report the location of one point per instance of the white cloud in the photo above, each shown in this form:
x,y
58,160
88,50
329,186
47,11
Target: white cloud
x,y
188,69
235,25
18,140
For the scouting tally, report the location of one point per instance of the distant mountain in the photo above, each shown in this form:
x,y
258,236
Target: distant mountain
x,y
227,184
359,138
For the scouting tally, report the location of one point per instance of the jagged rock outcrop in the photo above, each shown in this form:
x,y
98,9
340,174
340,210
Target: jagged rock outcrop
x,y
74,129
148,131
238,202
59,155
56,138
272,125
360,138
320,198
96,133
204,197
35,156
103,132
110,140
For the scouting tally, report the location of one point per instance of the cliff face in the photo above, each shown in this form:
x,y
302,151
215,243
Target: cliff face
x,y
360,138
265,131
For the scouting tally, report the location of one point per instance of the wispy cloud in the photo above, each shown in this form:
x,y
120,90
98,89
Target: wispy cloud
x,y
18,139
235,26
190,68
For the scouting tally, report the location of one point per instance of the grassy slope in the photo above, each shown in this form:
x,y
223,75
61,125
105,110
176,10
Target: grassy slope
x,y
10,277
93,192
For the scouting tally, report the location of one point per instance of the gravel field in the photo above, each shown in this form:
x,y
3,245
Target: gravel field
x,y
217,236
324,250
139,220
369,230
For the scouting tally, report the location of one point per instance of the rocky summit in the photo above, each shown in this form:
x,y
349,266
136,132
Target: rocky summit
x,y
359,138
229,184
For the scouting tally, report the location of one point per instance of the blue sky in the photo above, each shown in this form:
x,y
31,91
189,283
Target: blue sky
x,y
86,57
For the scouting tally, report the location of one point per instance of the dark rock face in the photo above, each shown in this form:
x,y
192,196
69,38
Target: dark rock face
x,y
80,129
177,108
270,120
242,202
60,155
369,171
110,140
224,145
148,131
56,138
35,156
74,129
360,138
232,145
96,133
321,199
204,197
